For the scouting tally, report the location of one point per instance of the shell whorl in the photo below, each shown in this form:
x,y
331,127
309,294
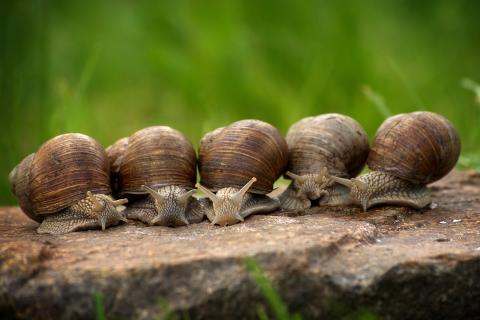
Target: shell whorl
x,y
420,147
334,141
155,156
231,156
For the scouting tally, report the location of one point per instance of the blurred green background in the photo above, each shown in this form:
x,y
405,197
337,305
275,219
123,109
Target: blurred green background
x,y
109,68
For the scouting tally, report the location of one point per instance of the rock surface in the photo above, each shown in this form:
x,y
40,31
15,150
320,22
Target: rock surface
x,y
393,263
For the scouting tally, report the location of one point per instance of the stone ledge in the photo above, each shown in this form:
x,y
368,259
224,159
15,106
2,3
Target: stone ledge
x,y
326,262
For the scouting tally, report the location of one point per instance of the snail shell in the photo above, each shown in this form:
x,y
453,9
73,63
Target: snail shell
x,y
240,162
420,147
156,157
231,156
334,141
409,151
320,147
161,162
58,176
60,173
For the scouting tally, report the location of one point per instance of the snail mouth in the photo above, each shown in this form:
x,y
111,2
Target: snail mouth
x,y
225,219
315,196
174,220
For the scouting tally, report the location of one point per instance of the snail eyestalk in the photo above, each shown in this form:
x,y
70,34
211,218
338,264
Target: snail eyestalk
x,y
97,206
212,196
227,203
157,196
119,202
238,197
184,197
295,177
345,182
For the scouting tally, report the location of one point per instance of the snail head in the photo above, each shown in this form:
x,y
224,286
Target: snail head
x,y
312,186
359,190
227,203
106,209
171,204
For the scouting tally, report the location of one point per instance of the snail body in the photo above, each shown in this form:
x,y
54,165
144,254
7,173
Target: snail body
x,y
320,147
156,168
65,186
409,152
238,166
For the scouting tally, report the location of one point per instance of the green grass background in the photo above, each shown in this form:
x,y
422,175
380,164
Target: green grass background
x,y
109,68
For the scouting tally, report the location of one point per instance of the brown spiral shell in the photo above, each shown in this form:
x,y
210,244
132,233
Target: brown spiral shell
x,y
59,174
154,156
231,156
332,140
420,147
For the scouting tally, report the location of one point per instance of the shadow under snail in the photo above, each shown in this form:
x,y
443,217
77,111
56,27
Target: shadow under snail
x,y
238,166
156,169
409,151
65,186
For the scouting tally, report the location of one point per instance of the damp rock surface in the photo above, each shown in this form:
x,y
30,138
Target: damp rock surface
x,y
391,262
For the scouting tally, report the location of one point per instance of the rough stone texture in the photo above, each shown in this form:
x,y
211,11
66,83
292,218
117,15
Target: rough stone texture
x,y
395,263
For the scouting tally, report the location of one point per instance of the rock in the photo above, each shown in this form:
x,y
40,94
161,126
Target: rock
x,y
393,263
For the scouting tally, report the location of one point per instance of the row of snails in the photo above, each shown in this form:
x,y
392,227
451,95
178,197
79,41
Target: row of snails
x,y
68,184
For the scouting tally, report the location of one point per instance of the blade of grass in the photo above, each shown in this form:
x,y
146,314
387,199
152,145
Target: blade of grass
x,y
276,303
362,315
378,101
262,315
167,313
99,307
414,96
469,161
469,84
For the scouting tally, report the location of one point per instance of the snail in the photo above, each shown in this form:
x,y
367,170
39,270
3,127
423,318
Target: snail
x,y
156,169
65,186
321,146
238,166
409,151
